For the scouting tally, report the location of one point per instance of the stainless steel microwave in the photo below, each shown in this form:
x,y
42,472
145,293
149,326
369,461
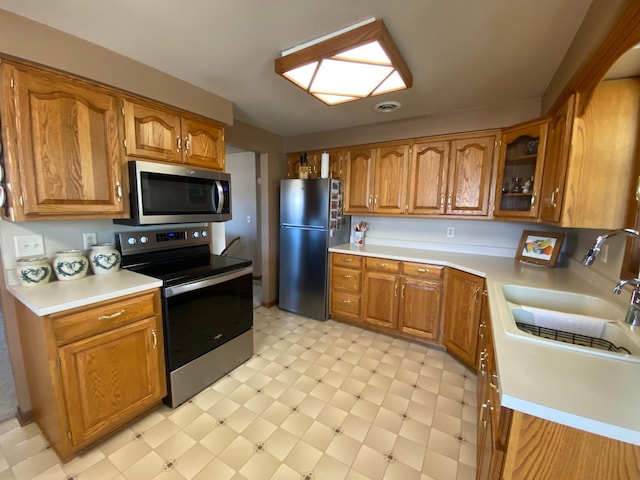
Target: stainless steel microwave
x,y
170,193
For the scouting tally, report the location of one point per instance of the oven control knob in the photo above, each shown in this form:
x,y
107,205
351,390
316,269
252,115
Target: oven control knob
x,y
131,241
144,239
196,234
204,233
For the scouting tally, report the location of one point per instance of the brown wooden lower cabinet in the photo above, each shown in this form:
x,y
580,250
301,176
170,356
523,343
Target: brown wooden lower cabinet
x,y
92,369
462,314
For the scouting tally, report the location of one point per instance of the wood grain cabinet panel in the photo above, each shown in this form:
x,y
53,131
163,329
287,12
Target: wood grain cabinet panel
x,y
588,153
62,154
391,171
470,175
462,314
428,178
402,298
163,134
345,291
360,181
86,383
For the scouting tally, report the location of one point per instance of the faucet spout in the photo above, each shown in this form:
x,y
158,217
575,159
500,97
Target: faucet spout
x,y
592,253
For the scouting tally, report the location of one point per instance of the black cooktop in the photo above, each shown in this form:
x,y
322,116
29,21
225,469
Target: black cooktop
x,y
183,270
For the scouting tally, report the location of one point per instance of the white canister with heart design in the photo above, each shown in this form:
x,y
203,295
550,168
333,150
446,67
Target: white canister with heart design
x,y
70,264
33,271
104,258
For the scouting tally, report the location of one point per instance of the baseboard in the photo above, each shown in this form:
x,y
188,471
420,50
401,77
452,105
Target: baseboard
x,y
24,418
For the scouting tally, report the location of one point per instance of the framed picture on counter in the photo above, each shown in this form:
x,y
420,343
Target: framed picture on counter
x,y
541,248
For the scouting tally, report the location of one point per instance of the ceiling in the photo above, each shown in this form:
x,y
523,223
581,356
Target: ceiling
x,y
463,54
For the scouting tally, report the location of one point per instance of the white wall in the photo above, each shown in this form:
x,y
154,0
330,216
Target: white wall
x,y
244,195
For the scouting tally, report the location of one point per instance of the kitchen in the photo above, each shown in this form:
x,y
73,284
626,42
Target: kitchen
x,y
465,232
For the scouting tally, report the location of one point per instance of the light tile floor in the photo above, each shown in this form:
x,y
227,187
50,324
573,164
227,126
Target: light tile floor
x,y
319,400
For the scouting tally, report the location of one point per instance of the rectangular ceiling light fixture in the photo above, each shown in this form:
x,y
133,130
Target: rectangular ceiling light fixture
x,y
356,62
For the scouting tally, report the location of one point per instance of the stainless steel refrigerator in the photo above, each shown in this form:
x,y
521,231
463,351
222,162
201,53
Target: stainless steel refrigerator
x,y
311,221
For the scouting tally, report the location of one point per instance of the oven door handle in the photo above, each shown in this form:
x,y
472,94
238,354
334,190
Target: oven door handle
x,y
191,286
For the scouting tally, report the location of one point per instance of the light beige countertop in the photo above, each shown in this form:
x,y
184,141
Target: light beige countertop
x,y
57,296
590,392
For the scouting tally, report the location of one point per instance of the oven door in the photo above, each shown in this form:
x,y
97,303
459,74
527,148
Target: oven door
x,y
202,315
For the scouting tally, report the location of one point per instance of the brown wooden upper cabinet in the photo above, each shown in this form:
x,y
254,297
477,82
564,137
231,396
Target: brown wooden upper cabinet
x,y
377,179
591,163
337,159
451,176
519,178
158,133
61,152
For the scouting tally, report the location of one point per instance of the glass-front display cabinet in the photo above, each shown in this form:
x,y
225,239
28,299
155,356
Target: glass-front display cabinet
x,y
520,170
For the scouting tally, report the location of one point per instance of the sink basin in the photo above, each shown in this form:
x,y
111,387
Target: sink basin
x,y
567,302
570,321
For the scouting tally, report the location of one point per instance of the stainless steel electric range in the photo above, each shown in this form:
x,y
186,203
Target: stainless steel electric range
x,y
207,304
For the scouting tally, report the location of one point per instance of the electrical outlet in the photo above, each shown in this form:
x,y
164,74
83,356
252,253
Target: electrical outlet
x,y
449,232
89,239
29,245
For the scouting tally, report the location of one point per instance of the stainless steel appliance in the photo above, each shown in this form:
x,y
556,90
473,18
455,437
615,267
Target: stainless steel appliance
x,y
207,305
169,193
311,221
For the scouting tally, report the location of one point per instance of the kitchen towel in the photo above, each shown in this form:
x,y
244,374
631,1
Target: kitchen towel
x,y
567,322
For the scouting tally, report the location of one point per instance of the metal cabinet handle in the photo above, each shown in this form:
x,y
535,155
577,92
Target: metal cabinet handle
x,y
402,292
187,144
347,260
383,265
422,270
155,338
638,190
346,301
375,200
369,200
442,200
114,315
494,385
449,199
348,276
553,197
395,290
119,191
179,143
533,199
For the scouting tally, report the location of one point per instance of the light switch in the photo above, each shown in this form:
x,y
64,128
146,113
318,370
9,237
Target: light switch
x,y
29,245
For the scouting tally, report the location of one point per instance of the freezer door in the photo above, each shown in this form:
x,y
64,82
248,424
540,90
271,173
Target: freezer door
x,y
305,202
303,272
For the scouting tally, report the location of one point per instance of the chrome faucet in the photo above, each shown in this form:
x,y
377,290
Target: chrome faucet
x,y
633,312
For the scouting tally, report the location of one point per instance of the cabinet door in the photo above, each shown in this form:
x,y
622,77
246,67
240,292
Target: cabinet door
x,y
381,299
152,133
420,308
428,178
462,315
68,149
391,165
470,175
520,167
556,158
203,143
101,389
360,178
337,164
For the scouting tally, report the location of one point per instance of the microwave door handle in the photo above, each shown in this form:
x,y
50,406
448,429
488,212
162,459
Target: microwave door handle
x,y
220,205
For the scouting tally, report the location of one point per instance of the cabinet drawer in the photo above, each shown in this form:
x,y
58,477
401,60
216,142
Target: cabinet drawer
x,y
382,265
345,305
82,322
346,279
422,270
346,260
